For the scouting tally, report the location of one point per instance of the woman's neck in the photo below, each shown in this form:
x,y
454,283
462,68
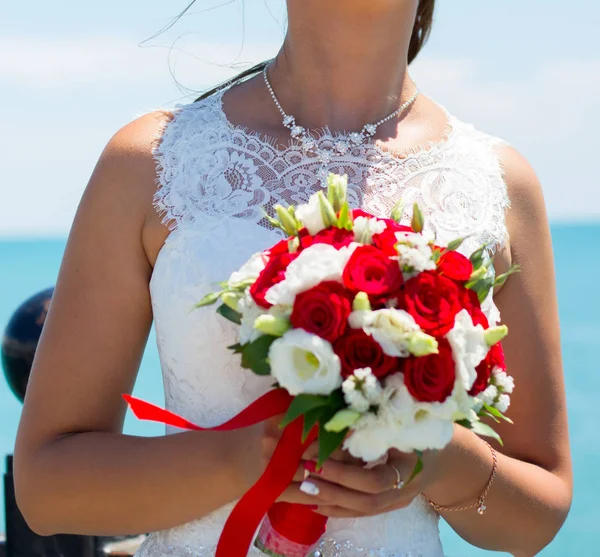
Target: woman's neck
x,y
344,62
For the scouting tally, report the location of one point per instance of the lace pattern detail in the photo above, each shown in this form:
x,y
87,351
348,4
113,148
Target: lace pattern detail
x,y
208,166
213,180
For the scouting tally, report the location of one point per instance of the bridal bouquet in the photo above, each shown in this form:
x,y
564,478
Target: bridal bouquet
x,y
375,338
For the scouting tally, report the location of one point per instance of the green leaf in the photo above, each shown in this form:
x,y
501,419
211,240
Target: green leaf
x,y
237,348
417,220
301,405
436,254
486,431
209,299
255,355
484,289
311,418
418,467
329,441
230,314
495,412
488,415
477,257
455,244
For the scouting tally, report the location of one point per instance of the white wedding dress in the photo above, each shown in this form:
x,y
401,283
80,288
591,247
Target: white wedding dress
x,y
214,179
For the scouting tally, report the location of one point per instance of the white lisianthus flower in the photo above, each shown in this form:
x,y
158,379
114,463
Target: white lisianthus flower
x,y
303,363
425,432
309,214
249,270
316,264
371,437
503,403
365,227
249,311
504,382
469,348
490,310
393,329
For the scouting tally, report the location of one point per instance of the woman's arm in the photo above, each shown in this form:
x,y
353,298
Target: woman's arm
x,y
531,494
74,470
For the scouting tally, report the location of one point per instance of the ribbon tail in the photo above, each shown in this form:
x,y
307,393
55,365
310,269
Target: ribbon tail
x,y
149,412
244,520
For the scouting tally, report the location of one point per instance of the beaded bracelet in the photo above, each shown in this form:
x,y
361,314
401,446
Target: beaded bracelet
x,y
480,503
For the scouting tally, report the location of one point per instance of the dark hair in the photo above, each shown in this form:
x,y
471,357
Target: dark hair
x,y
421,32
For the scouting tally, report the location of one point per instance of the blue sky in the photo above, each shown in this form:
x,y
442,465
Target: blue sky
x,y
71,74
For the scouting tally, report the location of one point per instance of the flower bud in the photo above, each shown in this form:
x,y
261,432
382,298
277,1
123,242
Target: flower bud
x,y
231,300
398,211
478,274
342,420
418,222
289,223
495,334
422,344
327,212
361,302
337,188
272,325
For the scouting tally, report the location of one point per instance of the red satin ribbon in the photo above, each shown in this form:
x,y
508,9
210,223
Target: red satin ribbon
x,y
293,521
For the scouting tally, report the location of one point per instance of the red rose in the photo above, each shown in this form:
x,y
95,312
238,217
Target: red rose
x,y
336,237
433,300
279,248
456,266
323,310
357,350
371,271
494,358
386,241
273,273
470,302
431,378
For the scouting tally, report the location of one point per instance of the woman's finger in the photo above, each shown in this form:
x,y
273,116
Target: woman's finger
x,y
380,479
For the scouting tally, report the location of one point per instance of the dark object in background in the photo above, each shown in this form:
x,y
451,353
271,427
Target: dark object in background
x,y
22,542
21,339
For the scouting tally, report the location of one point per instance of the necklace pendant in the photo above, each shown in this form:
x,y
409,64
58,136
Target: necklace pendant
x,y
308,144
341,147
356,138
370,129
297,131
325,157
289,121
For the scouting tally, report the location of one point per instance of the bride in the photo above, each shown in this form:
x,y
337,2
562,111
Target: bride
x,y
174,205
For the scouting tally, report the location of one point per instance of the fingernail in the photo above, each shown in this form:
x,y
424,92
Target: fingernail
x,y
309,488
311,466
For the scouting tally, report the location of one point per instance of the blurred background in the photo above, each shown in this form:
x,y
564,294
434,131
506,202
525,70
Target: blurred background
x,y
72,73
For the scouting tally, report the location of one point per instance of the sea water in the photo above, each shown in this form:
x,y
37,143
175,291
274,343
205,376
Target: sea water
x,y
28,266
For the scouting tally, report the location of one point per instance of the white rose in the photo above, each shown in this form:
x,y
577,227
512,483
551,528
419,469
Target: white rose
x,y
469,348
249,270
365,227
249,311
316,264
310,215
305,363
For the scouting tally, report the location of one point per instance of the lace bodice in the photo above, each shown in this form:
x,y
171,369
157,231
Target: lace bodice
x,y
214,178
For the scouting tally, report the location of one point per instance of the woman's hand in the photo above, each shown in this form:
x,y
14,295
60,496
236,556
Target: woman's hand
x,y
344,488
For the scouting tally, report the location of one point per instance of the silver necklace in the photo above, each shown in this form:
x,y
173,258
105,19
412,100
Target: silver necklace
x,y
342,143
